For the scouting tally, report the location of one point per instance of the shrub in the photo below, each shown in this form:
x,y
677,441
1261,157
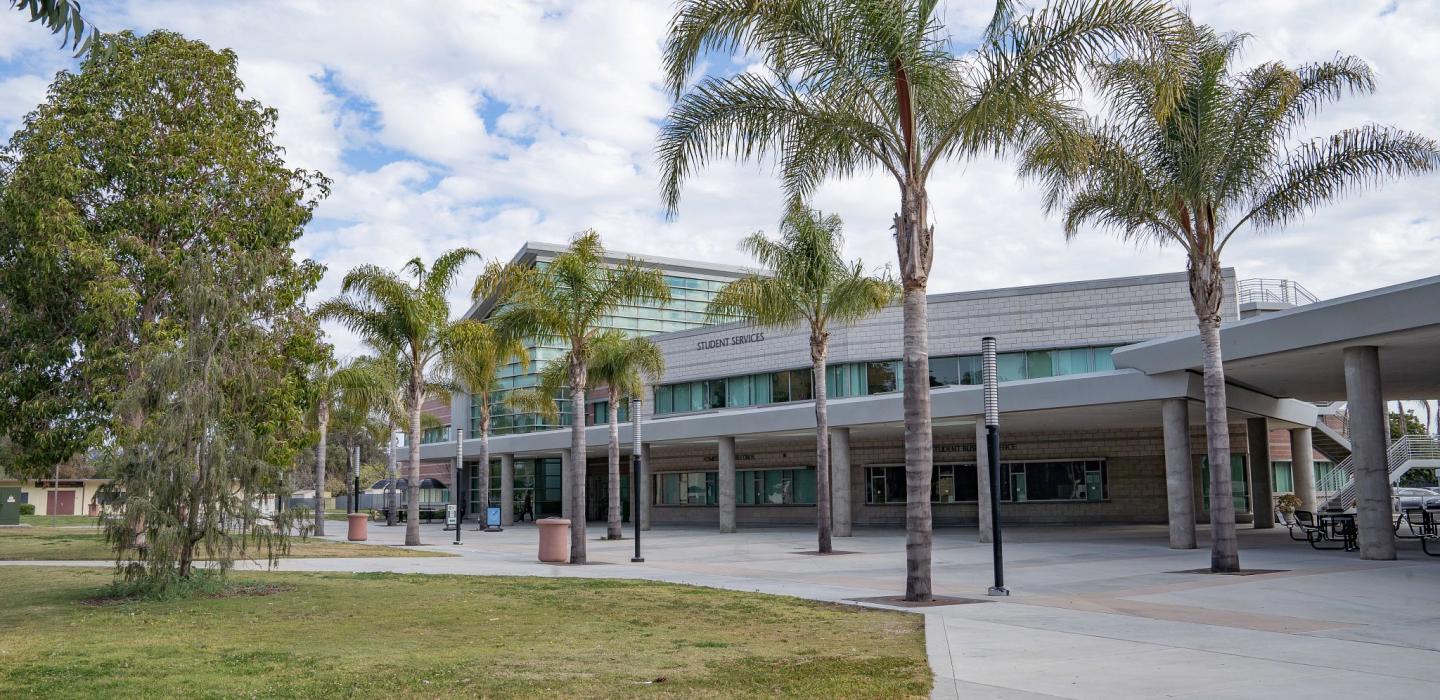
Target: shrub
x,y
27,508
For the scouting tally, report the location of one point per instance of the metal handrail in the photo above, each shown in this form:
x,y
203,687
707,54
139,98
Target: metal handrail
x,y
1274,291
1339,484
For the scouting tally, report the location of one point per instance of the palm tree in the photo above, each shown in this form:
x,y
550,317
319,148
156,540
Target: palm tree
x,y
566,301
856,86
811,284
621,363
412,321
478,352
1198,174
351,394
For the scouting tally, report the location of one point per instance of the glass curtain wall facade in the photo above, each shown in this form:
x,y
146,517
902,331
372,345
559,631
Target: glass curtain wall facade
x,y
866,378
686,309
536,480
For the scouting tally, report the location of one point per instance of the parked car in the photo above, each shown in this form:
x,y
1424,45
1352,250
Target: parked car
x,y
1414,497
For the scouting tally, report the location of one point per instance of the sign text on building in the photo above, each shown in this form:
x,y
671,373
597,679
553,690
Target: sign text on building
x,y
732,340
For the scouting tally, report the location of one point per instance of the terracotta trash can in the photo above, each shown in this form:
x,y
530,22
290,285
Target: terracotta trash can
x,y
554,539
359,527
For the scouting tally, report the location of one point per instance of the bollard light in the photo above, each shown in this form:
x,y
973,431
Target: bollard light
x,y
636,478
992,448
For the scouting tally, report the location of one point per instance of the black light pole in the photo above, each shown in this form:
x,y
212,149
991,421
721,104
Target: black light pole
x,y
636,478
459,467
390,456
992,448
355,488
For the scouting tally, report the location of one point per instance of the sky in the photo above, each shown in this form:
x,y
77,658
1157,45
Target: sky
x,y
490,123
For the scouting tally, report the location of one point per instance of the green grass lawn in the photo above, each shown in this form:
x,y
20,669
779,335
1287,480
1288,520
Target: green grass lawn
x,y
387,635
61,544
60,520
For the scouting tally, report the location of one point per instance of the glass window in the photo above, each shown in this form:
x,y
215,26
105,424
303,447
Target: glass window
x,y
1073,480
1077,361
760,388
715,393
1010,366
1038,365
1101,359
687,489
682,397
1283,476
882,377
697,396
737,391
1239,487
780,387
949,483
944,371
969,369
800,385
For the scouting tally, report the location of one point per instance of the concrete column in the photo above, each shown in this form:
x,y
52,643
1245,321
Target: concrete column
x,y
507,490
1302,467
1367,439
1262,475
840,513
1179,481
647,489
565,485
982,479
727,484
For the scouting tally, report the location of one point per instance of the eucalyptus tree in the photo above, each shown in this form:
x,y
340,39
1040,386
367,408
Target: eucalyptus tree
x,y
412,322
477,355
565,302
856,86
1225,159
809,283
618,361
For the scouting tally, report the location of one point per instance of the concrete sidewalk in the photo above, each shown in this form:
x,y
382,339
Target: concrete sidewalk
x,y
1094,613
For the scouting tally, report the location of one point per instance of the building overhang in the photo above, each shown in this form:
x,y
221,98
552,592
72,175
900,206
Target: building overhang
x,y
1299,352
1101,400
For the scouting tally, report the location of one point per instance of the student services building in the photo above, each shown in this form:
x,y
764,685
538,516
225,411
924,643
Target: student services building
x,y
1087,436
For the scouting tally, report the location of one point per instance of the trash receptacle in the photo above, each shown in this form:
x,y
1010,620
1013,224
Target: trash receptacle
x,y
554,539
359,527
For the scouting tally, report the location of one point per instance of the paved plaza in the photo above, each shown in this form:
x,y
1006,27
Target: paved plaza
x,y
1094,613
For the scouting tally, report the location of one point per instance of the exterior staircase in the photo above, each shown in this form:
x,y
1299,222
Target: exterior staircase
x,y
1330,442
1337,489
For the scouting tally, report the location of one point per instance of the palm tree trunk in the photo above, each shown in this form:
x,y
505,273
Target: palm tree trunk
x,y
1207,290
482,504
412,490
914,240
322,413
822,440
614,531
577,456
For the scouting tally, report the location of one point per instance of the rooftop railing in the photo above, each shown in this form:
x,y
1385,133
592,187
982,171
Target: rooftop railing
x,y
1260,290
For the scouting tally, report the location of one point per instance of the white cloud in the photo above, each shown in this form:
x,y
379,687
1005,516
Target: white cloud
x,y
491,123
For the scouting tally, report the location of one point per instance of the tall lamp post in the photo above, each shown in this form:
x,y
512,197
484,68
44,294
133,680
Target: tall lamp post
x,y
459,467
636,478
992,448
390,456
355,487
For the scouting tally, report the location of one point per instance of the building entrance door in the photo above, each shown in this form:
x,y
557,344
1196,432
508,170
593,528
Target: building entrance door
x,y
65,505
597,497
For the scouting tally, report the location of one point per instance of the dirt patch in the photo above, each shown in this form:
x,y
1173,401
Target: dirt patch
x,y
236,590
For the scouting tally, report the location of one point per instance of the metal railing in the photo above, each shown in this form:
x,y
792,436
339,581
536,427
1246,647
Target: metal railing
x,y
1338,486
1273,291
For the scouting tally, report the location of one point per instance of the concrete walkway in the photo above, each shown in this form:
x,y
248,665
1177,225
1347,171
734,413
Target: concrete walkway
x,y
1095,612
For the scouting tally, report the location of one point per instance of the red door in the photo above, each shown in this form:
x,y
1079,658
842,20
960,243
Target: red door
x,y
66,503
